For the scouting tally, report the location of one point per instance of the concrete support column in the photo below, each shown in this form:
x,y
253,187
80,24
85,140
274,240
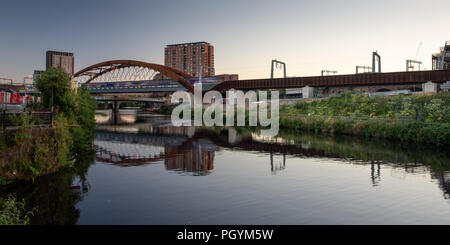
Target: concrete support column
x,y
307,92
429,87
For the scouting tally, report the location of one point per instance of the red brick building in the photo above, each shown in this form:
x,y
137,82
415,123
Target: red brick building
x,y
188,57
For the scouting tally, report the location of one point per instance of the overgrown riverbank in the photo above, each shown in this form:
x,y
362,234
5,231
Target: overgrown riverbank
x,y
419,119
29,151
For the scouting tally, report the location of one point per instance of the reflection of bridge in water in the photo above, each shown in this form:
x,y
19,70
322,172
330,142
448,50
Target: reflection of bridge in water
x,y
178,152
192,149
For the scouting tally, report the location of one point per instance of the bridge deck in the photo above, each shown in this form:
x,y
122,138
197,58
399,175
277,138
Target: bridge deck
x,y
363,79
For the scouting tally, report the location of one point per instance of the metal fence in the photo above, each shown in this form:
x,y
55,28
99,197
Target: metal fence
x,y
37,118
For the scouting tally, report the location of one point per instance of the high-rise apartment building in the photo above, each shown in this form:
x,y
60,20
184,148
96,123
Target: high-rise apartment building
x,y
188,57
63,59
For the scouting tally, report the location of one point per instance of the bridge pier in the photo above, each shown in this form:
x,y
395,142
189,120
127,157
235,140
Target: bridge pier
x,y
307,92
429,87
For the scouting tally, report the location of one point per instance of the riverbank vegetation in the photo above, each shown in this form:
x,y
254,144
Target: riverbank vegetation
x,y
13,212
28,151
420,119
75,109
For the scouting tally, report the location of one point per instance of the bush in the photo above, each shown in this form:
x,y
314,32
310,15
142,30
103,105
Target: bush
x,y
13,212
428,108
83,135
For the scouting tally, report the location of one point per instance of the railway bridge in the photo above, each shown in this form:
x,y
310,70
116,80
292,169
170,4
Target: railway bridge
x,y
121,77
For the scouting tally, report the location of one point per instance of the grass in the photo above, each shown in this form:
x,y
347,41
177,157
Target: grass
x,y
419,119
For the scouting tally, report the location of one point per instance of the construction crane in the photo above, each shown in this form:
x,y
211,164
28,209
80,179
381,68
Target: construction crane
x,y
410,63
417,52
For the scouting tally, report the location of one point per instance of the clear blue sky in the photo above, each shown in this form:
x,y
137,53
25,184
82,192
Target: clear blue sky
x,y
308,35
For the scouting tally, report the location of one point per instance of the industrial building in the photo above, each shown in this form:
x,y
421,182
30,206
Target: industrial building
x,y
441,60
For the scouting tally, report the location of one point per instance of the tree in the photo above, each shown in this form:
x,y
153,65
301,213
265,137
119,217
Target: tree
x,y
54,83
77,109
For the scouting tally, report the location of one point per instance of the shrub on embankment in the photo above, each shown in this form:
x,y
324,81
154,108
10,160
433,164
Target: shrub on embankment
x,y
414,131
420,119
425,108
28,152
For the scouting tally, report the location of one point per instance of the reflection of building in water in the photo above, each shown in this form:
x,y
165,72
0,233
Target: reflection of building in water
x,y
178,152
198,158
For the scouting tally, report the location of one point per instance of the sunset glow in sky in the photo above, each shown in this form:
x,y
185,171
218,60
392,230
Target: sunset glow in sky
x,y
309,36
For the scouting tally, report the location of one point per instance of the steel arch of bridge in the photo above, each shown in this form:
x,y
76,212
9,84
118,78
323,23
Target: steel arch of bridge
x,y
95,71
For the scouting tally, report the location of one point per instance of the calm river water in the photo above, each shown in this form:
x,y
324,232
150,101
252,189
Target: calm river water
x,y
146,171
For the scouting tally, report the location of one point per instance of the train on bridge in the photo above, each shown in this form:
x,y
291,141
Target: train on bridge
x,y
167,83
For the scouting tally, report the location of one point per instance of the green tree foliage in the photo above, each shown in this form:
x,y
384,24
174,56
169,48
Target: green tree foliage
x,y
55,82
85,117
78,109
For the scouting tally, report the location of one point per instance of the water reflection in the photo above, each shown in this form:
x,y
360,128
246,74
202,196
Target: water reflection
x,y
375,175
278,166
55,195
233,163
198,158
191,150
170,145
123,118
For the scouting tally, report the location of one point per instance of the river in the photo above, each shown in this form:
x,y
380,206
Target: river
x,y
146,171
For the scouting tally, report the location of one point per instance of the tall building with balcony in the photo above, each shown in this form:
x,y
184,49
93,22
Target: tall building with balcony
x,y
441,60
188,57
60,59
